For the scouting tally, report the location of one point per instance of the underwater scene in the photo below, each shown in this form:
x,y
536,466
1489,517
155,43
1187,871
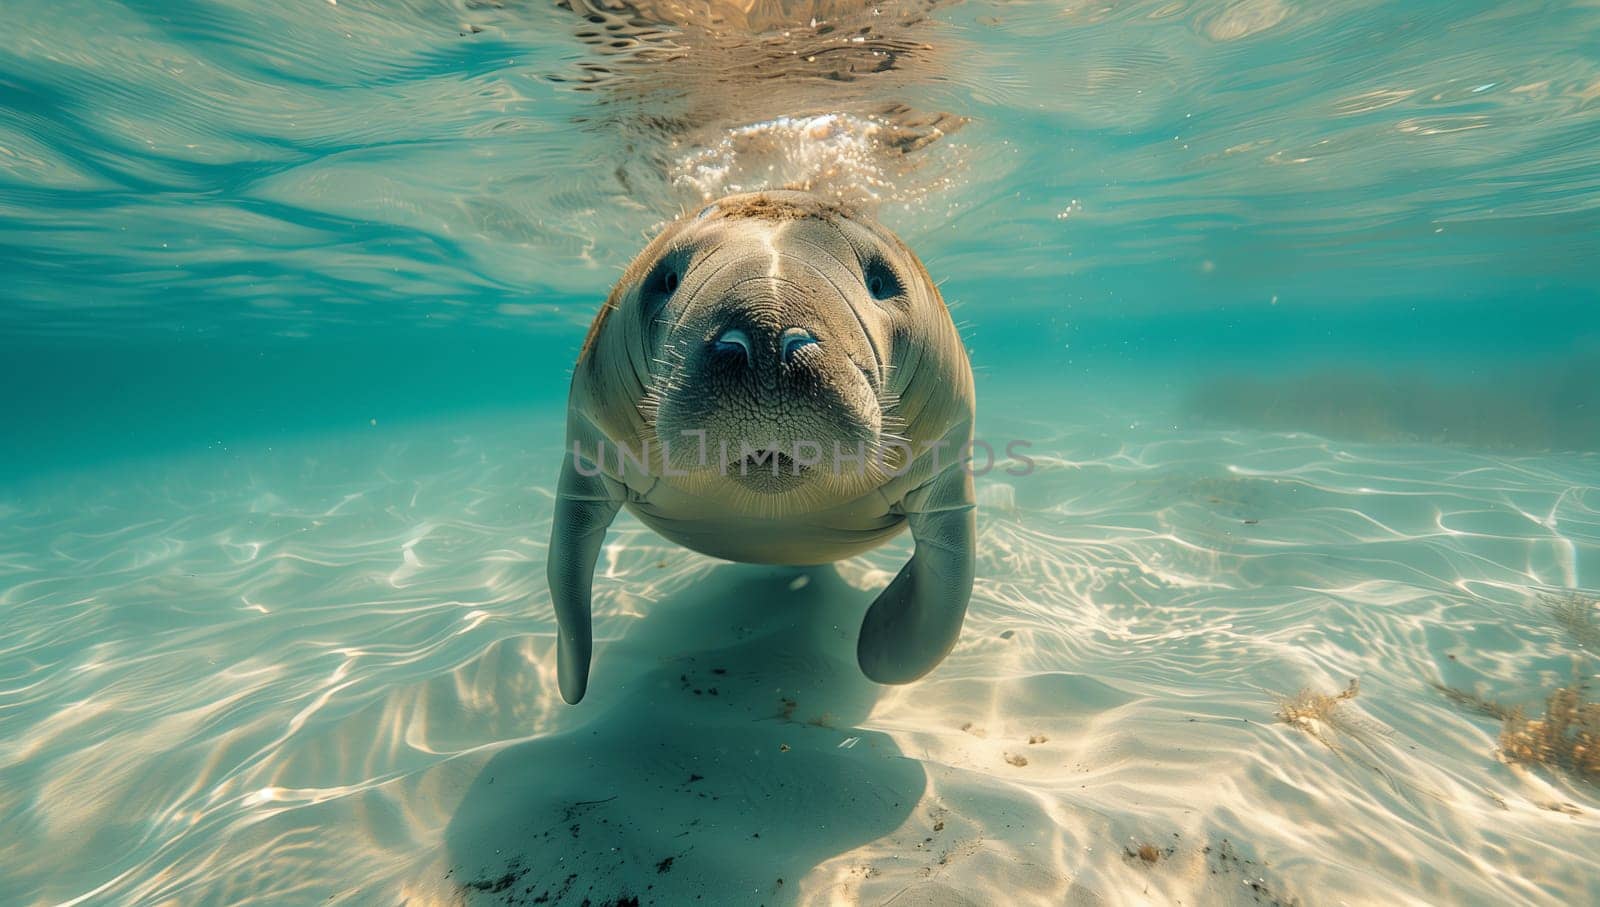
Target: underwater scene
x,y
799,452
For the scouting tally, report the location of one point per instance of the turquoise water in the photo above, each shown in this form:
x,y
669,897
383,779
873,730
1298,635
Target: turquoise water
x,y
1296,303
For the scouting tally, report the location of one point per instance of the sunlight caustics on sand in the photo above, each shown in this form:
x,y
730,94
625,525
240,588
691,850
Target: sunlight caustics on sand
x,y
326,672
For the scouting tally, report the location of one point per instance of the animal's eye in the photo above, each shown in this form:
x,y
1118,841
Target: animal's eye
x,y
664,278
655,291
880,279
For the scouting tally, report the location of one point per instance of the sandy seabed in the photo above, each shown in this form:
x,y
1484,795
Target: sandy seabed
x,y
323,672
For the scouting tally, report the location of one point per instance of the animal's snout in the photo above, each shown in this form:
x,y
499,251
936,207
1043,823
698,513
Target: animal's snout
x,y
734,341
793,340
756,347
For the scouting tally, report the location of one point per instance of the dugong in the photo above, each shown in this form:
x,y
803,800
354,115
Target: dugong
x,y
775,379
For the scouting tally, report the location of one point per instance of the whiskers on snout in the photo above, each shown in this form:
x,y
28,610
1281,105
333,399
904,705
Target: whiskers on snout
x,y
772,451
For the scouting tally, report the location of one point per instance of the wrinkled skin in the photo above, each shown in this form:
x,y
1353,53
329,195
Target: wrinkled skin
x,y
787,388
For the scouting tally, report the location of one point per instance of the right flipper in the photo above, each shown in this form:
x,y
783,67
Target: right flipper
x,y
586,502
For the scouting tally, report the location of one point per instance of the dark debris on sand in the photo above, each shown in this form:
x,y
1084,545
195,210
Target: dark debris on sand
x,y
508,890
1224,860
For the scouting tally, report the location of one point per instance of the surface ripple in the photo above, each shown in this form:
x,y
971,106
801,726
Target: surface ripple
x,y
302,164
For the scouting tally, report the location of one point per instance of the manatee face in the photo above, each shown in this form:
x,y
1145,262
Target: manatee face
x,y
769,330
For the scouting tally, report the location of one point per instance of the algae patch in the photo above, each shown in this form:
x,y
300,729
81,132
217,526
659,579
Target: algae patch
x,y
1330,718
1566,736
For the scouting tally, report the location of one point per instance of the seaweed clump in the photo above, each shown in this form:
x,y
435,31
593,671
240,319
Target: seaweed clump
x,y
1306,706
1323,716
1330,719
1147,852
1567,736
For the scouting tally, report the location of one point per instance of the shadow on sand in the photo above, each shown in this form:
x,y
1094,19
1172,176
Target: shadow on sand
x,y
715,759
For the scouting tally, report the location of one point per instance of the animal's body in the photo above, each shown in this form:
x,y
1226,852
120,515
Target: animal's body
x,y
775,379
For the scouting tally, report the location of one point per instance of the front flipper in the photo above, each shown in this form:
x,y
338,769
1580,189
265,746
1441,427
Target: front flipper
x,y
586,503
914,624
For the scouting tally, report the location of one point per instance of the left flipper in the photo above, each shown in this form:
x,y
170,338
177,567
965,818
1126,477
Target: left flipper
x,y
914,623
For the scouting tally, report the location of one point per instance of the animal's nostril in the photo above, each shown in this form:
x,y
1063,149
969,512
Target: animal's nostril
x,y
795,339
733,340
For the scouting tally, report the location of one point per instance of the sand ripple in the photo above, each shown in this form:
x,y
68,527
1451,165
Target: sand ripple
x,y
325,674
